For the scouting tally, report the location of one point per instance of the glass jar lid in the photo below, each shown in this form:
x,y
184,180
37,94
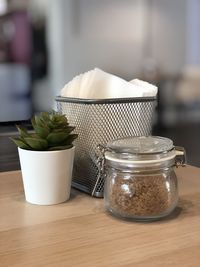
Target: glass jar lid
x,y
141,151
141,145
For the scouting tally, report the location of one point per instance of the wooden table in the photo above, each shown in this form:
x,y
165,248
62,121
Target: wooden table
x,y
79,232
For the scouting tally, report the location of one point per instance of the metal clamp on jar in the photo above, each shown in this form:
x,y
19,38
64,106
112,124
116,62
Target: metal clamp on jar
x,y
140,180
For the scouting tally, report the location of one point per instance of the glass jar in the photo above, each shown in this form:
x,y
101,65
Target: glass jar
x,y
140,180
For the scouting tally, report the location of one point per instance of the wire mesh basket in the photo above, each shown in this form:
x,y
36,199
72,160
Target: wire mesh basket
x,y
97,122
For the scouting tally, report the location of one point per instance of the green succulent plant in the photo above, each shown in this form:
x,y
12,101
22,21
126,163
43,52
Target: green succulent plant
x,y
51,132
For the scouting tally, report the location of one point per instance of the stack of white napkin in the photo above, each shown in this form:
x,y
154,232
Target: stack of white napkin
x,y
97,84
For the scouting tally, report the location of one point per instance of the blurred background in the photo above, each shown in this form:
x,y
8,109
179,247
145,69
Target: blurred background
x,y
45,43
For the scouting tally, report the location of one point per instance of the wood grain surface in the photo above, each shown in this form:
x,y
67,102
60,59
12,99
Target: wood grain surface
x,y
80,233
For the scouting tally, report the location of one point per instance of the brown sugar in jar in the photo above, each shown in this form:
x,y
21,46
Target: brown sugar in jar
x,y
140,180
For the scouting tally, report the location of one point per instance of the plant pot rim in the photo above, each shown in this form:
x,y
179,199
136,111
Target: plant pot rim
x,y
46,151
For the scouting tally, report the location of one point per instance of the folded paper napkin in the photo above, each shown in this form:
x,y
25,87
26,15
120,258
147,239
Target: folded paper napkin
x,y
98,84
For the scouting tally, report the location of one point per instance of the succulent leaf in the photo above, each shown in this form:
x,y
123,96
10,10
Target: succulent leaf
x,y
33,122
39,121
60,147
70,129
22,131
56,138
20,143
70,138
67,130
45,116
36,143
52,132
41,131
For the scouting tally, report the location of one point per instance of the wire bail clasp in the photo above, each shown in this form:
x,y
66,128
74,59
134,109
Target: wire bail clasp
x,y
180,159
101,165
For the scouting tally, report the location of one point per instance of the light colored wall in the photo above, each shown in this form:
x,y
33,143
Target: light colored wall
x,y
169,34
105,34
114,35
108,34
193,32
57,29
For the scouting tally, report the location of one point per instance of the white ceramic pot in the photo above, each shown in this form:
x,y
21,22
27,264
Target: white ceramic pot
x,y
46,175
